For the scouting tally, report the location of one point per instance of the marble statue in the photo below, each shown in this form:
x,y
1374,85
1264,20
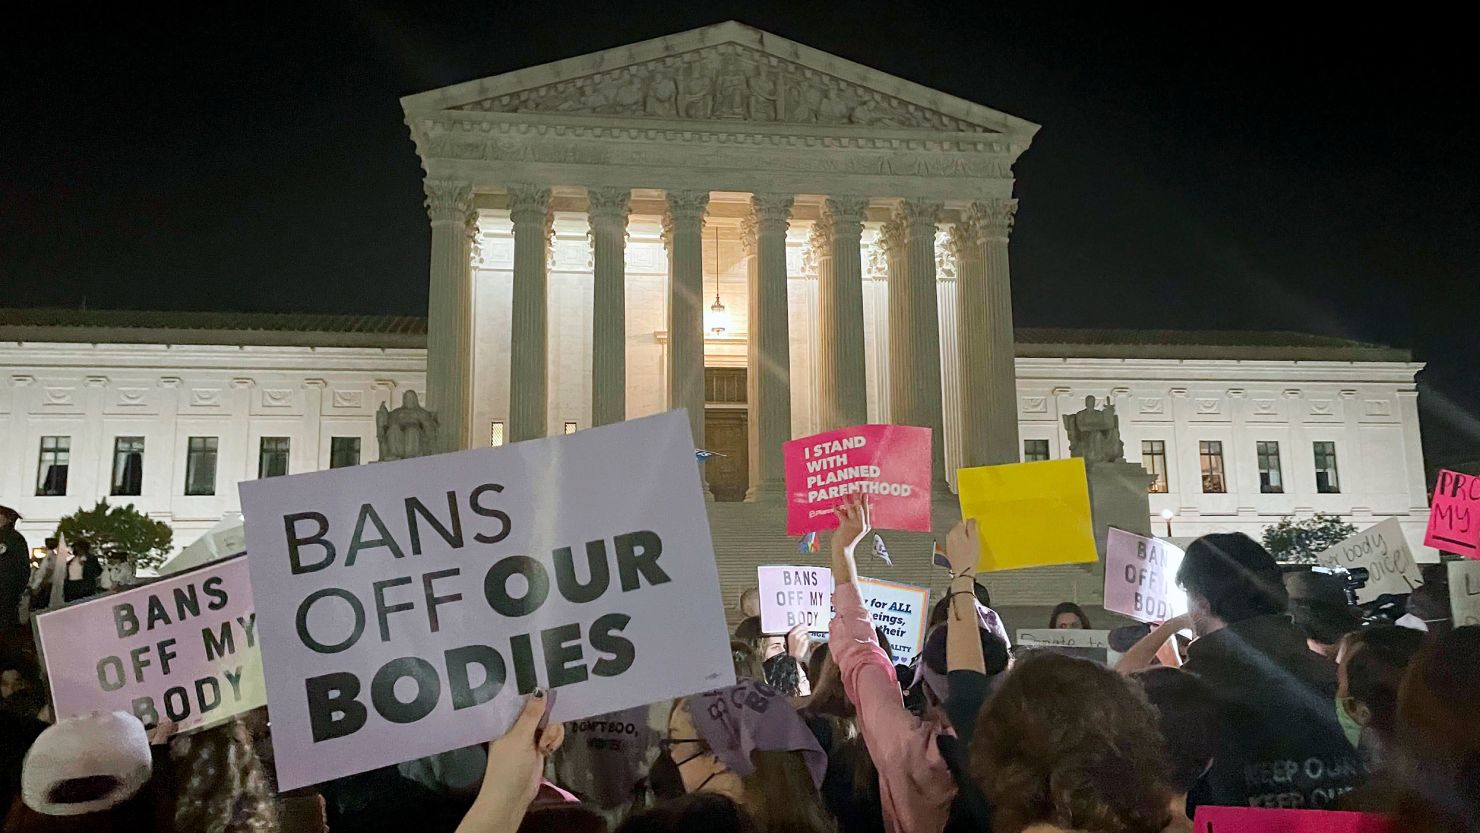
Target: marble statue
x,y
1094,434
408,431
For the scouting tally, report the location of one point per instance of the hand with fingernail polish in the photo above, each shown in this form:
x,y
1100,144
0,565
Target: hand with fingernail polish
x,y
516,763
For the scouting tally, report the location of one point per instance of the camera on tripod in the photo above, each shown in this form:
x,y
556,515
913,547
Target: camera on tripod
x,y
1352,579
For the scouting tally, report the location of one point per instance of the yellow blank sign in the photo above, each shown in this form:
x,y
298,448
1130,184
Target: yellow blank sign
x,y
1029,514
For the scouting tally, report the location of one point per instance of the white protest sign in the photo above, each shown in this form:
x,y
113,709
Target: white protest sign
x,y
1464,592
792,596
406,608
900,610
182,648
1078,642
1141,577
1385,554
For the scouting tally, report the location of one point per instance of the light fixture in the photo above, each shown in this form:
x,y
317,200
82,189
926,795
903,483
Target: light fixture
x,y
719,319
1166,515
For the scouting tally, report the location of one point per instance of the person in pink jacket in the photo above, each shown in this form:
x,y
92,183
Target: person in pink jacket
x,y
915,784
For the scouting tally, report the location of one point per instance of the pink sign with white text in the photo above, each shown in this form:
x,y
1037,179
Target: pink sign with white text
x,y
888,464
1261,820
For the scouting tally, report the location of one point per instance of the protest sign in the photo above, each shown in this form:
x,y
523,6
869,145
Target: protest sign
x,y
1464,592
182,648
1075,642
407,608
1210,819
604,757
1454,515
1141,577
1029,514
889,464
792,596
1384,553
900,610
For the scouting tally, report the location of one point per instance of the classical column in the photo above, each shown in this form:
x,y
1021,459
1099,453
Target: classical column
x,y
770,346
529,348
608,208
994,385
449,298
683,229
914,326
842,381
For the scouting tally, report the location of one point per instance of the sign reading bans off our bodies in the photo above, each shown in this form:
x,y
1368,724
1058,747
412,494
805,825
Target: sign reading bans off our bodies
x,y
408,607
182,649
889,464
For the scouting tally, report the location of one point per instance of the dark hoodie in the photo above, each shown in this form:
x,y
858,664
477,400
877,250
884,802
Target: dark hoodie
x,y
1285,747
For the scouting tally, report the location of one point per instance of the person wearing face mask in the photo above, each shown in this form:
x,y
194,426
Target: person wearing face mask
x,y
1369,672
1284,746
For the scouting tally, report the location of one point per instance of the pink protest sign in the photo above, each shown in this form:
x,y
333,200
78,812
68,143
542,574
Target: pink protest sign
x,y
889,464
1454,516
183,648
1260,820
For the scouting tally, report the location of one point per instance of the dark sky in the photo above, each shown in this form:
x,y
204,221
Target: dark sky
x,y
1249,171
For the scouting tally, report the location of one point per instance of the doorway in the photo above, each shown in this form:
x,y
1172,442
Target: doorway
x,y
726,431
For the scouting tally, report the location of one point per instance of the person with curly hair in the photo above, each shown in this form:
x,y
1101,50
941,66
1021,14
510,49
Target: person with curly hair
x,y
221,785
1068,745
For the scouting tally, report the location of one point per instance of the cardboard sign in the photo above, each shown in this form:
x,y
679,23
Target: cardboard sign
x,y
1454,516
1076,642
407,608
1383,551
1029,514
1141,577
792,596
1211,819
900,610
890,464
183,648
1464,592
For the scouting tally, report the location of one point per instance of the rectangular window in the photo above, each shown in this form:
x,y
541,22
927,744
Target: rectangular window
x,y
1154,461
128,466
344,452
570,427
200,465
272,459
1327,481
1035,451
496,434
1210,455
51,472
1270,480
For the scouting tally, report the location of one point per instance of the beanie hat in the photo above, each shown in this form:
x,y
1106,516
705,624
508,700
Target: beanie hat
x,y
107,745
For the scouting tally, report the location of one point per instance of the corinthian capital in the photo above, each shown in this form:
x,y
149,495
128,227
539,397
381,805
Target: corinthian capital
x,y
609,206
964,237
844,215
892,236
448,200
529,204
685,210
919,217
772,212
995,217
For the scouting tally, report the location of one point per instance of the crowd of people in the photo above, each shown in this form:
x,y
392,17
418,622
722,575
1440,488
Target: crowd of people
x,y
1247,700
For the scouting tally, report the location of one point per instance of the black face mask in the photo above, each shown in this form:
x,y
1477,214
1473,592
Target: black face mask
x,y
678,765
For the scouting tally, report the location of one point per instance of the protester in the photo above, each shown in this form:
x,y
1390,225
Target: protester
x,y
1428,605
706,812
1319,607
1370,671
1438,737
44,584
94,773
21,689
15,568
84,573
516,763
222,785
1067,615
1192,728
781,656
747,743
1158,647
750,602
850,788
1274,694
1068,745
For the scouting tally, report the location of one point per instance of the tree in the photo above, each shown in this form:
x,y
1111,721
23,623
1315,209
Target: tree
x,y
119,534
1299,541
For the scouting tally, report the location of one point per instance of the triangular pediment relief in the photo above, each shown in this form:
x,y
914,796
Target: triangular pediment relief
x,y
726,81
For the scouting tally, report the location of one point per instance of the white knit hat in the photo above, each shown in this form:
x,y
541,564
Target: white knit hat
x,y
111,744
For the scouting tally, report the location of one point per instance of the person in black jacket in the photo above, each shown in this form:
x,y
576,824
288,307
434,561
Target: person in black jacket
x,y
15,568
1277,698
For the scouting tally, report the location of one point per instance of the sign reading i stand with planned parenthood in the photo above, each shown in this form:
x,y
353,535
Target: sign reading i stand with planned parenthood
x,y
182,649
889,464
406,608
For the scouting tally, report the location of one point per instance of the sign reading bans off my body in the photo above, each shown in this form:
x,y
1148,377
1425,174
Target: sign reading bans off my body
x,y
405,608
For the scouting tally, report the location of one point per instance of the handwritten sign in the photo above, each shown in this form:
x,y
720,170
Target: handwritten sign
x,y
1141,577
1384,553
900,610
1029,514
407,608
183,648
1092,645
792,596
1210,819
1454,516
1464,592
890,464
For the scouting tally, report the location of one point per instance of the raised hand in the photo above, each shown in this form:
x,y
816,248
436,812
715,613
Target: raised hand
x,y
853,521
516,762
963,548
796,642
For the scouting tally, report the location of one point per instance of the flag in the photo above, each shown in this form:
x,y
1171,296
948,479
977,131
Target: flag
x,y
939,556
704,456
881,551
808,545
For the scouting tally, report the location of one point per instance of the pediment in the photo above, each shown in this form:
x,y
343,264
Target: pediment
x,y
726,72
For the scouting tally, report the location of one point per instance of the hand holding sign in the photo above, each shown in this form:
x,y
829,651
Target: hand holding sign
x,y
516,762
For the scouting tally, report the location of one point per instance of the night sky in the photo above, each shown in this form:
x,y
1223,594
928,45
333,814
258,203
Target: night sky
x,y
1244,172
